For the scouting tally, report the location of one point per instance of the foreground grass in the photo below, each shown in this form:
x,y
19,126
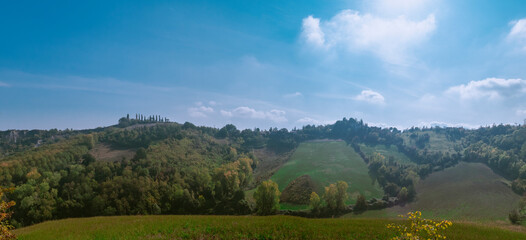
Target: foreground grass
x,y
328,162
236,227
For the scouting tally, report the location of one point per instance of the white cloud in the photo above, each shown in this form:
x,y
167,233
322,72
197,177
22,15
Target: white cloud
x,y
518,32
226,113
200,112
291,95
246,112
312,31
491,88
521,112
370,97
276,115
3,84
212,103
388,38
312,121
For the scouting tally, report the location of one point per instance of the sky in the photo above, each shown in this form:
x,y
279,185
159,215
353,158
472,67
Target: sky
x,y
399,63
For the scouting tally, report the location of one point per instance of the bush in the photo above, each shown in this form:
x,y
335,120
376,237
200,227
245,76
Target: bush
x,y
315,202
515,217
360,205
419,228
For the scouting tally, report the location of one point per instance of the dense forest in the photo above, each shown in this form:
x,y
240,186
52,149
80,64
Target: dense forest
x,y
187,169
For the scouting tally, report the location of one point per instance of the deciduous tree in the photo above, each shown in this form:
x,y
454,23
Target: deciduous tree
x,y
267,198
5,214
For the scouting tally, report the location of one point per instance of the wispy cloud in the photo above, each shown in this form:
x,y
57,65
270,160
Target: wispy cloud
x,y
78,83
292,95
446,124
521,112
273,115
370,97
408,8
3,84
491,88
517,33
309,120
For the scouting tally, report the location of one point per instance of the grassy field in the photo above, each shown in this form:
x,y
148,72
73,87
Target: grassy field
x,y
468,191
328,162
236,227
391,151
438,142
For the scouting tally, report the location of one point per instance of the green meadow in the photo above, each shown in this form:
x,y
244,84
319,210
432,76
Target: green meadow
x,y
327,162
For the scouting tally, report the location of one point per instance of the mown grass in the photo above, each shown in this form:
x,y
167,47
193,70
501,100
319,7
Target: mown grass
x,y
326,163
236,227
391,151
468,191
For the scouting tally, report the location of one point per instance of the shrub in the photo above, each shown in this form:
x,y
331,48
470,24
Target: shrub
x,y
419,228
360,205
315,202
515,217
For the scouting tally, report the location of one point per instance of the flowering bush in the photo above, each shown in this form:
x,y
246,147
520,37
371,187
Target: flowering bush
x,y
419,228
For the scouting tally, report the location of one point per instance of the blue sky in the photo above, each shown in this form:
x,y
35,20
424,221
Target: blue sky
x,y
267,63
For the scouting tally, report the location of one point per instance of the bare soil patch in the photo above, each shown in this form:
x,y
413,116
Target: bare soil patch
x,y
104,152
299,190
268,163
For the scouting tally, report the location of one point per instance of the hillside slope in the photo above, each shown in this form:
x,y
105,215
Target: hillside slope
x,y
468,191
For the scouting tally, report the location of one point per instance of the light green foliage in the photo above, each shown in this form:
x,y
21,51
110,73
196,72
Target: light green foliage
x,y
341,195
335,196
314,202
419,228
267,198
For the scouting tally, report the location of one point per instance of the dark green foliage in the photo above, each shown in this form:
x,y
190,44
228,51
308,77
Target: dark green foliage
x,y
515,217
127,121
360,205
